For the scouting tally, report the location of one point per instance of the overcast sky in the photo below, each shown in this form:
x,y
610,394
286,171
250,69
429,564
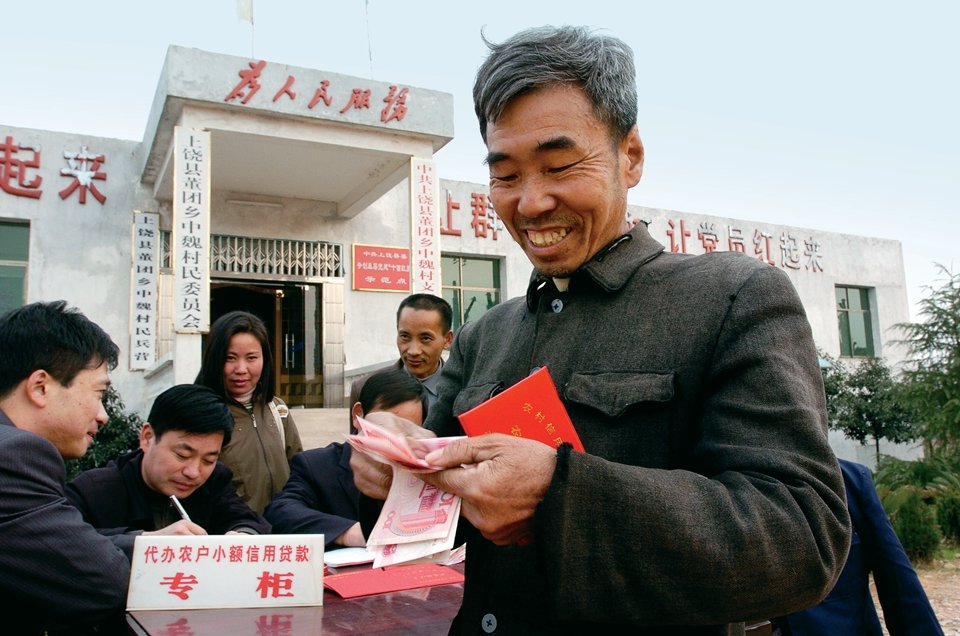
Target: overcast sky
x,y
837,116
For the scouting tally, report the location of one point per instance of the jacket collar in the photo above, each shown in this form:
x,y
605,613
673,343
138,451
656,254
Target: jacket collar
x,y
128,466
6,421
609,269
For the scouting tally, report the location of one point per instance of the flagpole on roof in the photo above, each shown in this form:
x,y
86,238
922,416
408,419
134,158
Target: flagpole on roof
x,y
366,8
245,13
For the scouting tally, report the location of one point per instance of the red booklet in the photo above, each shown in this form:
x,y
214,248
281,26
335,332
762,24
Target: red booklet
x,y
531,408
366,581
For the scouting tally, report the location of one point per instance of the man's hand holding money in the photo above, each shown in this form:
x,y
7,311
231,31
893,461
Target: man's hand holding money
x,y
374,478
500,478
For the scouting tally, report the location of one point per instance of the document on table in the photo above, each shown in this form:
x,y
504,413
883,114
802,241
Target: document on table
x,y
342,557
379,581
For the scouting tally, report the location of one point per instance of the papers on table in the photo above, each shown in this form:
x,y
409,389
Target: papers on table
x,y
344,557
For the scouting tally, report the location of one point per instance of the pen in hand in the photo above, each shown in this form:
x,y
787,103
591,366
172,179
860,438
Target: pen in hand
x,y
179,506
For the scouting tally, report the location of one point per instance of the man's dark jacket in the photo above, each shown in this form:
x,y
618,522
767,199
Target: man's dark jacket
x,y
875,548
708,495
117,501
55,570
320,496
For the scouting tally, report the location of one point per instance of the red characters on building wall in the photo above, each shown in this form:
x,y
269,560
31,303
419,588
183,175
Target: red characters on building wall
x,y
395,108
249,82
17,178
359,100
321,95
286,90
678,235
83,168
812,252
735,240
789,251
449,229
396,105
786,251
483,219
761,247
14,176
707,233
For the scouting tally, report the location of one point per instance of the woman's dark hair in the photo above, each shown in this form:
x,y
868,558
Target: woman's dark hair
x,y
215,353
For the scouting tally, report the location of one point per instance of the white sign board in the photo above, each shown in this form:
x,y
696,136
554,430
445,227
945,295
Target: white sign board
x,y
144,292
190,235
425,222
202,572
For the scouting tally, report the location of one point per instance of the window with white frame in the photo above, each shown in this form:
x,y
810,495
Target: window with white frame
x,y
856,322
14,257
470,285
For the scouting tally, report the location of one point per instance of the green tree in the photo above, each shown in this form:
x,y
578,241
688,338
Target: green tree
x,y
834,384
120,434
915,523
862,403
931,377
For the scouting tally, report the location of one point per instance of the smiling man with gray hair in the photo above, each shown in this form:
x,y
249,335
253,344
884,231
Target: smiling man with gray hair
x,y
707,496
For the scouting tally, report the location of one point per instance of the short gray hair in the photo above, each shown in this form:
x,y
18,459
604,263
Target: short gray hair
x,y
601,65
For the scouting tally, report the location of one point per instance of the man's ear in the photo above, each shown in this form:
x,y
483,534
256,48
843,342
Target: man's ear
x,y
147,435
448,339
631,149
355,411
37,387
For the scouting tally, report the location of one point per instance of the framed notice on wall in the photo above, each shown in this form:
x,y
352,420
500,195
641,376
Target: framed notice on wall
x,y
381,268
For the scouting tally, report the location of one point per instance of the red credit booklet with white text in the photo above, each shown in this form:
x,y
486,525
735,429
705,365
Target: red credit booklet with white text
x,y
531,408
367,581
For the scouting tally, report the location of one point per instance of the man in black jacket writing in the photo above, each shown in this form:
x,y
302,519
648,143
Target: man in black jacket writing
x,y
179,447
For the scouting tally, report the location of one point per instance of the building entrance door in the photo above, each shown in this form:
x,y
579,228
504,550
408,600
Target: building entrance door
x,y
292,313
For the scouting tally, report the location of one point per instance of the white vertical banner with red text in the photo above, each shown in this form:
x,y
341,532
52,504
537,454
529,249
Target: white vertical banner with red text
x,y
190,236
144,292
425,222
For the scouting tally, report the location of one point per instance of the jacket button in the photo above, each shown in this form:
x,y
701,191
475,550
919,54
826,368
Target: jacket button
x,y
488,623
556,305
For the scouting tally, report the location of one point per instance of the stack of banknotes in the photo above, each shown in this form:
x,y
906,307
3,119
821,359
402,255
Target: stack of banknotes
x,y
418,523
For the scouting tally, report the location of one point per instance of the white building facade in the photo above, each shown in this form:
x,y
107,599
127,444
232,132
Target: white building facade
x,y
313,200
